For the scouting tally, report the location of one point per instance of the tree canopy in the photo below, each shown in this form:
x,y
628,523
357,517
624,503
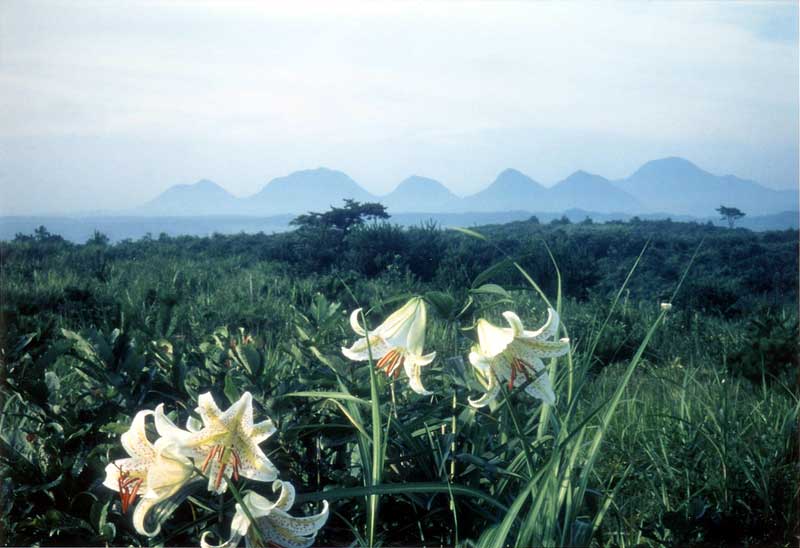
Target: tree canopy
x,y
342,218
730,214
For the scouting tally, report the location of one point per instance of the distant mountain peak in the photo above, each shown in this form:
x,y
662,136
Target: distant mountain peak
x,y
416,182
672,166
307,190
321,170
511,176
205,184
676,185
201,187
201,198
419,179
511,172
582,175
671,185
420,194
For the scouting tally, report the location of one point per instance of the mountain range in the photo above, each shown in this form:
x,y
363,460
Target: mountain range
x,y
669,185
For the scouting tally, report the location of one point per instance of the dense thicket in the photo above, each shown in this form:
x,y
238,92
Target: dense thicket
x,y
733,270
98,318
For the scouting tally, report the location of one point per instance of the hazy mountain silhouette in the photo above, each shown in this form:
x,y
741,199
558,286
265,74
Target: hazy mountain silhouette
x,y
511,190
669,186
201,198
419,195
307,190
676,185
590,192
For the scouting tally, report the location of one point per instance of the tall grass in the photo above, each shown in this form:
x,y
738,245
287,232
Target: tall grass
x,y
651,440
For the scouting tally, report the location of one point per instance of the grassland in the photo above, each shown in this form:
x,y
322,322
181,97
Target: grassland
x,y
671,427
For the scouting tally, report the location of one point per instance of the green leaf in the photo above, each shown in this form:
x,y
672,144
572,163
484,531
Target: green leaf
x,y
329,395
98,514
232,391
401,489
491,289
492,271
24,341
468,232
443,302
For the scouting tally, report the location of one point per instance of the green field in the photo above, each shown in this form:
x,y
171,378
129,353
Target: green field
x,y
670,427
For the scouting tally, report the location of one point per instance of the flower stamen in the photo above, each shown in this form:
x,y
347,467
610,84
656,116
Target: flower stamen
x,y
128,489
391,363
518,366
223,455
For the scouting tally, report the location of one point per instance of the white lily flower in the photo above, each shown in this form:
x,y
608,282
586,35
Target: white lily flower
x,y
226,445
275,525
515,355
155,471
399,340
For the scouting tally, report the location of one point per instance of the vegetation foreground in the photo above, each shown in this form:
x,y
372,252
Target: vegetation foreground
x,y
522,385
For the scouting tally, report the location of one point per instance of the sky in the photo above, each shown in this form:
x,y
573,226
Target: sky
x,y
103,105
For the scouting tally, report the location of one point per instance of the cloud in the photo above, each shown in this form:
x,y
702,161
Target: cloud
x,y
419,77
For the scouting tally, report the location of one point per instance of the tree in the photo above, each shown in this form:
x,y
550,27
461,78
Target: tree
x,y
730,214
342,218
41,234
98,239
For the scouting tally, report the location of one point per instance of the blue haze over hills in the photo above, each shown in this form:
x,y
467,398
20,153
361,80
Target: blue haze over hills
x,y
669,187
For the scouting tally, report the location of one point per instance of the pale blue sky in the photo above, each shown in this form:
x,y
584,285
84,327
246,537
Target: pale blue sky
x,y
104,104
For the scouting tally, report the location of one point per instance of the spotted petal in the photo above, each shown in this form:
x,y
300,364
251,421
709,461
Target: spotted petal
x,y
515,355
547,331
228,443
273,522
541,349
360,350
135,439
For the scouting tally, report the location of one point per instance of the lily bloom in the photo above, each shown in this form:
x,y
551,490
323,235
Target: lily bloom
x,y
227,443
275,525
398,341
156,472
515,355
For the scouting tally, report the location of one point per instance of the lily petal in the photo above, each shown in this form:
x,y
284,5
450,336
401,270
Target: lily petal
x,y
413,372
133,466
423,360
492,390
255,464
207,408
492,339
169,471
548,330
150,513
274,524
515,323
399,322
166,428
355,323
542,349
542,388
360,350
415,337
263,430
480,362
193,425
135,440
